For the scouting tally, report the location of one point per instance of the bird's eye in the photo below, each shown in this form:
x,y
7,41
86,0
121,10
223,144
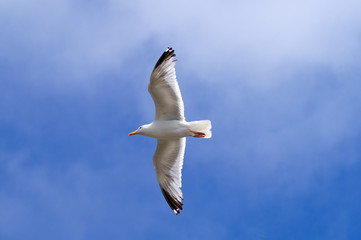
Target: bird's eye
x,y
140,127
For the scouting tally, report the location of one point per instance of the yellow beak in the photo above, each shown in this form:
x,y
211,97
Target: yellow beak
x,y
132,133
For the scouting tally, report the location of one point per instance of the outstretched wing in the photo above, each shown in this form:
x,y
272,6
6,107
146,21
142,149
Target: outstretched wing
x,y
168,163
163,87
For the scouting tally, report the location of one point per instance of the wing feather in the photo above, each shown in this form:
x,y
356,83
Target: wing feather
x,y
168,163
164,89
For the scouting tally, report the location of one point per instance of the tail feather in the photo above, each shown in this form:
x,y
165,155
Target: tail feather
x,y
203,126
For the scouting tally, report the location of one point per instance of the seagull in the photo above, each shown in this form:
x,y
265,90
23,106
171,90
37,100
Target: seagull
x,y
170,128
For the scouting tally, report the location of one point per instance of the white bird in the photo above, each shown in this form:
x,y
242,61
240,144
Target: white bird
x,y
170,128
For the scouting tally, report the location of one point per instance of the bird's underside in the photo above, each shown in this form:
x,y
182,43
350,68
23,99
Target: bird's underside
x,y
168,157
169,119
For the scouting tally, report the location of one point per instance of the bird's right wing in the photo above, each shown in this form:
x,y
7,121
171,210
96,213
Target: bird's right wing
x,y
168,163
163,87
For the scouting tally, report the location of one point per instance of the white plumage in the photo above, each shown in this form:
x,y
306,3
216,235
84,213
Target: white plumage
x,y
170,128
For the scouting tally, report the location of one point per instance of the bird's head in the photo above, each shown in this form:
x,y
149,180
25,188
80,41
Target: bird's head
x,y
140,130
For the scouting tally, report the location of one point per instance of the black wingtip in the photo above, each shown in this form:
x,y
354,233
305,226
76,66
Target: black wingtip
x,y
168,54
174,204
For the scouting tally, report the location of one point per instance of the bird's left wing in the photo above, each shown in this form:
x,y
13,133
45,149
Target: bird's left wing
x,y
163,87
168,163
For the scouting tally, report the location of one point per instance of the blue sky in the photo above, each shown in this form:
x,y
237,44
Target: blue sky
x,y
280,81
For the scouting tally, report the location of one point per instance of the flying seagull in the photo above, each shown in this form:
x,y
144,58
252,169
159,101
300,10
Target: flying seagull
x,y
170,128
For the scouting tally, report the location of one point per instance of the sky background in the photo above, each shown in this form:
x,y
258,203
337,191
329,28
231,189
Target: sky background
x,y
280,81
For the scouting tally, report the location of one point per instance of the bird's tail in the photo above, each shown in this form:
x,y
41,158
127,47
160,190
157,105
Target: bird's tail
x,y
201,128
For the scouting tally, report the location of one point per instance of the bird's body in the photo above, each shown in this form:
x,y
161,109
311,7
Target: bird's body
x,y
170,128
166,129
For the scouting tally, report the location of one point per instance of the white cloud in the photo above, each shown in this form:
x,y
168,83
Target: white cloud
x,y
247,38
256,38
